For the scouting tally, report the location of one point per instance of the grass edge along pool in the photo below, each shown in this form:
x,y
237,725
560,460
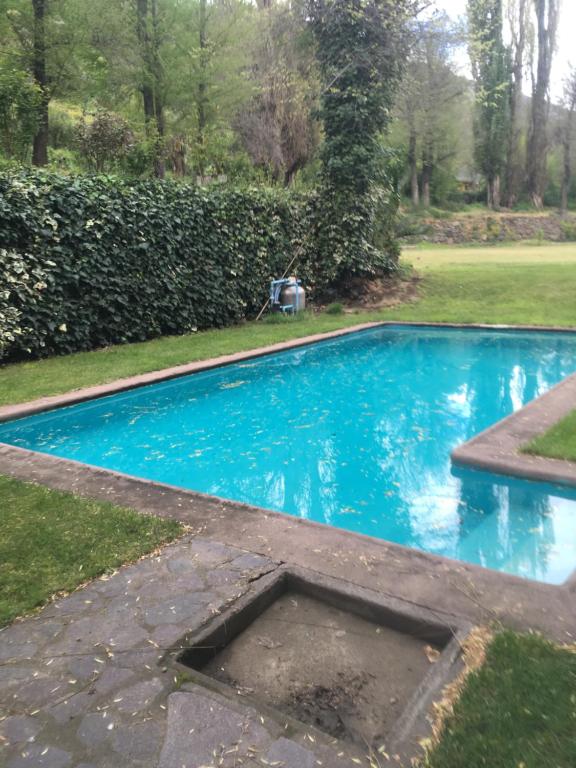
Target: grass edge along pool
x,y
355,432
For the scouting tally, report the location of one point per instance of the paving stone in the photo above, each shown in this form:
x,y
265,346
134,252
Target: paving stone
x,y
139,696
139,660
95,728
198,725
89,632
190,607
12,676
39,692
122,605
111,586
288,754
249,561
34,630
19,728
15,650
139,741
112,678
171,586
122,636
222,577
81,601
83,667
187,564
74,706
166,635
39,756
212,552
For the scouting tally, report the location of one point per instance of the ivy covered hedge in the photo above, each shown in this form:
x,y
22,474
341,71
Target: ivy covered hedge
x,y
91,261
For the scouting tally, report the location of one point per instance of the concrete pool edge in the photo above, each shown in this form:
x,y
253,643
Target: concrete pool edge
x,y
498,448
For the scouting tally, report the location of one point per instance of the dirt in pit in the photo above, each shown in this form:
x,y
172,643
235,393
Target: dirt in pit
x,y
325,667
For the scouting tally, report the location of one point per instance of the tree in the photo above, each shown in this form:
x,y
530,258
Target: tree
x,y
43,38
104,140
39,68
519,24
152,83
20,100
547,12
567,135
277,125
208,66
426,101
361,49
491,71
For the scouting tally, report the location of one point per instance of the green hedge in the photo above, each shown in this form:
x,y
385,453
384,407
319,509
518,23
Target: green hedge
x,y
115,261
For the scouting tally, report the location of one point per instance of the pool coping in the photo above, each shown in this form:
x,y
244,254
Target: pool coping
x,y
498,448
480,452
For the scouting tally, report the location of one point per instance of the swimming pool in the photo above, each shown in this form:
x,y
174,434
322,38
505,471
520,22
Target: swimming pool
x,y
355,433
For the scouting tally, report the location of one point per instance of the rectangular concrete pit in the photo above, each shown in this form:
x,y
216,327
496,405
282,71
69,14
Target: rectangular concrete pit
x,y
336,658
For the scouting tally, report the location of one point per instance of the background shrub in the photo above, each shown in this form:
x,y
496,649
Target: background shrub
x,y
126,261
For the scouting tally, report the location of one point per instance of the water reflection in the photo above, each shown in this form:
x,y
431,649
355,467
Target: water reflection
x,y
355,433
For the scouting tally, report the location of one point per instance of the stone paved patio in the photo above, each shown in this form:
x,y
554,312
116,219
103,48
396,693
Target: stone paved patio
x,y
83,683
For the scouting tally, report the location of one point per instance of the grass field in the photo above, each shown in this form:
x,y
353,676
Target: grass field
x,y
507,284
52,541
558,443
517,711
430,255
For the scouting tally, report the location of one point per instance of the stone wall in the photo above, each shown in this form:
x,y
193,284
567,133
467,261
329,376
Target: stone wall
x,y
496,227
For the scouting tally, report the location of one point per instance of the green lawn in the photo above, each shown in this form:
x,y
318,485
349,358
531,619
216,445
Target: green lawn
x,y
558,443
507,284
517,711
52,541
434,255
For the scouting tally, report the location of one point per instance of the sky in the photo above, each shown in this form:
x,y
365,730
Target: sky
x,y
565,54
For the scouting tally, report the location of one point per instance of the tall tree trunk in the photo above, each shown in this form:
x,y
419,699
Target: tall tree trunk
x,y
518,21
40,144
495,193
537,150
413,165
566,180
427,170
152,81
158,80
567,156
202,100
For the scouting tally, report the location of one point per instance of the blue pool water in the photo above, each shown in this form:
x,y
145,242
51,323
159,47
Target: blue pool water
x,y
355,432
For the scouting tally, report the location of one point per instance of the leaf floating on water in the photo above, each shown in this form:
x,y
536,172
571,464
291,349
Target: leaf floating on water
x,y
232,384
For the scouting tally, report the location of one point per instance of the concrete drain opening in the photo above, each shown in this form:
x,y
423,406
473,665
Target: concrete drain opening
x,y
358,668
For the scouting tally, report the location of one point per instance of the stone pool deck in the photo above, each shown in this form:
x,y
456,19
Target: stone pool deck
x,y
83,683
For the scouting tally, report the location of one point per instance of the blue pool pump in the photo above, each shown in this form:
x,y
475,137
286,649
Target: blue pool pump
x,y
287,295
